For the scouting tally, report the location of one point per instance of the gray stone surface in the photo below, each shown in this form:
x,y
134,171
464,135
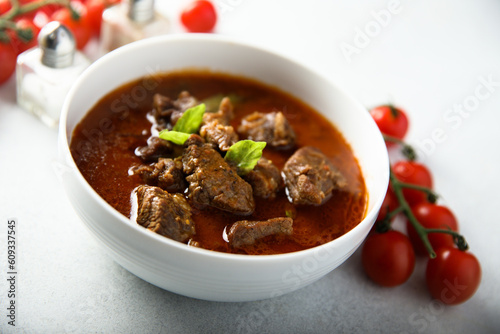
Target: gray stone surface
x,y
428,58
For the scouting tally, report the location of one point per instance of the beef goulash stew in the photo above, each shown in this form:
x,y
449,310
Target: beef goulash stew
x,y
221,162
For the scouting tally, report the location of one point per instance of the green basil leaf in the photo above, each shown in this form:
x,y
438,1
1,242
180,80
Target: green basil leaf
x,y
175,137
190,120
244,154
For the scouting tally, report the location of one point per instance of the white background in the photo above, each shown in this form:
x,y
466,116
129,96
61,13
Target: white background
x,y
428,57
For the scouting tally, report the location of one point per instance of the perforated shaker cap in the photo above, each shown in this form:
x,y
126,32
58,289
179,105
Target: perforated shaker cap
x,y
57,44
141,10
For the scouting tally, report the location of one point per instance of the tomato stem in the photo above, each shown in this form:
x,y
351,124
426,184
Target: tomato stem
x,y
14,6
394,212
384,225
7,24
457,238
394,111
407,149
431,195
24,34
17,10
397,186
4,38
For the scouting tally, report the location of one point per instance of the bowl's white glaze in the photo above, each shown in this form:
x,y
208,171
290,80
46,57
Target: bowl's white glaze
x,y
197,272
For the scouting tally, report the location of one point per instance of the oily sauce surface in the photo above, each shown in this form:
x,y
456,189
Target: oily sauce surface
x,y
103,146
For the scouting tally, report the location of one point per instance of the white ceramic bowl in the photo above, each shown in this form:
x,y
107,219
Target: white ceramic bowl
x,y
197,272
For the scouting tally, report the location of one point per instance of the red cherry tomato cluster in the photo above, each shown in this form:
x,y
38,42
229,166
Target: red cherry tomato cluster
x,y
388,256
83,18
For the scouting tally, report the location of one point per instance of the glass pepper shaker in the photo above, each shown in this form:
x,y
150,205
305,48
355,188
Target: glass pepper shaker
x,y
131,21
45,73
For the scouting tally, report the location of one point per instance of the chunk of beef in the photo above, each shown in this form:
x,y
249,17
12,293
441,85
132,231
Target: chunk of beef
x,y
273,128
244,233
166,174
166,110
224,115
212,181
310,177
164,213
265,179
155,149
184,102
163,106
194,140
222,136
216,129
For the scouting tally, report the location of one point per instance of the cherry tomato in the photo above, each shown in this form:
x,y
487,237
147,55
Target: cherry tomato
x,y
5,6
199,16
19,44
95,8
7,61
391,121
80,28
388,258
453,276
389,204
413,173
435,217
43,15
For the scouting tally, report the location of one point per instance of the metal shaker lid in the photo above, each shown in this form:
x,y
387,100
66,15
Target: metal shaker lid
x,y
57,44
140,10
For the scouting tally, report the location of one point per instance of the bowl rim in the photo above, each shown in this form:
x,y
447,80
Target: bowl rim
x,y
67,157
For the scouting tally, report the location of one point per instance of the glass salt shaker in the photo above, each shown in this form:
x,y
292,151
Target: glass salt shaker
x,y
45,73
131,21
